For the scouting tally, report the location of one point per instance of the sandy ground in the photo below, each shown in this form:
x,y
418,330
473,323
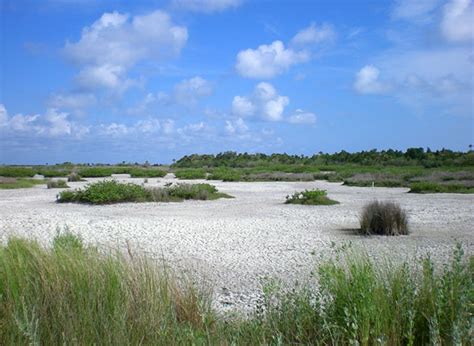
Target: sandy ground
x,y
236,243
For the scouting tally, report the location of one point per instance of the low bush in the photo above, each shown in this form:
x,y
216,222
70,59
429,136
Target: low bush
x,y
96,172
16,172
383,218
106,192
310,197
190,173
73,177
225,174
278,176
429,187
57,184
146,172
111,191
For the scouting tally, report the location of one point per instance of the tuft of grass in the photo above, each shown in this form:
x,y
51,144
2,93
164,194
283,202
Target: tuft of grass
x,y
19,183
431,187
72,293
111,191
383,218
310,197
57,184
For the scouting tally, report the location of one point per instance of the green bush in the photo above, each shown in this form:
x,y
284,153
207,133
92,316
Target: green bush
x,y
310,197
96,172
57,184
190,173
383,218
146,173
429,187
180,192
16,172
106,192
224,174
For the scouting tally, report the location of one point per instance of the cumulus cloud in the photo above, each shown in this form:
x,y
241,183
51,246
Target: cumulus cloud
x,y
264,103
314,34
457,21
206,6
368,82
75,101
268,61
52,124
189,90
116,42
302,117
237,126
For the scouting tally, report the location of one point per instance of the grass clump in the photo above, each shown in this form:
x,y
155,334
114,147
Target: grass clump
x,y
383,218
180,192
73,294
57,184
73,177
431,187
310,197
106,192
21,183
196,173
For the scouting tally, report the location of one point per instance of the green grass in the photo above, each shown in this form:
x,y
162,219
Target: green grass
x,y
310,197
111,191
74,293
429,187
196,173
20,183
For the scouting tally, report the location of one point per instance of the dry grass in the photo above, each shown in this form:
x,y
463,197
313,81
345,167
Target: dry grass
x,y
383,218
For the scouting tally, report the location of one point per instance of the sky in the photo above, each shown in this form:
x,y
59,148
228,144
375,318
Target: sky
x,y
111,81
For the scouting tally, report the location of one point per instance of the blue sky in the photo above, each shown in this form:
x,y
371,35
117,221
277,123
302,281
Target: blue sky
x,y
107,81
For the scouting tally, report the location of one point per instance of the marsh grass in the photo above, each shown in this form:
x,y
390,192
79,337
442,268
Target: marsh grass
x,y
310,197
57,184
19,183
432,187
383,218
72,293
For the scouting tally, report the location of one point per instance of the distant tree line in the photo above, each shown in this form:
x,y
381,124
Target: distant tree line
x,y
390,157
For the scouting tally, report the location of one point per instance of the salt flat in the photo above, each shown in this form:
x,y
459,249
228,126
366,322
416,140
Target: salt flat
x,y
234,243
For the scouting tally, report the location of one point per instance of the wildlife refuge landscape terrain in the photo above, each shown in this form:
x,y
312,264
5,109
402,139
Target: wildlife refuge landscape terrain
x,y
282,245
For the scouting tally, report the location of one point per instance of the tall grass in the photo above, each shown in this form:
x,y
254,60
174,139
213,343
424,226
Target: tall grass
x,y
383,218
72,293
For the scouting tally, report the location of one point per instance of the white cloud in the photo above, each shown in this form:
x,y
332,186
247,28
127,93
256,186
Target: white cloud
x,y
189,90
264,102
457,24
52,124
237,126
314,34
368,82
206,6
268,61
72,101
302,117
116,42
414,10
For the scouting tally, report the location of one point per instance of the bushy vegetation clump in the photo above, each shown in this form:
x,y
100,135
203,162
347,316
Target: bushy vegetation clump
x,y
224,174
145,172
111,191
310,197
431,187
16,172
196,173
383,218
57,184
73,177
75,292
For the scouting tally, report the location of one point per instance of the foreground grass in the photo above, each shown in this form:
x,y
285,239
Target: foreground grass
x,y
21,183
310,197
111,191
72,293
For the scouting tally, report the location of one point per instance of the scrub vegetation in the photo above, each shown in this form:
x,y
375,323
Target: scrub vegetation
x,y
73,292
310,197
383,218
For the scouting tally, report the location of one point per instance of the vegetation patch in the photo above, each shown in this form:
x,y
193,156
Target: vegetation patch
x,y
430,187
224,174
111,191
383,218
75,292
310,197
195,173
57,184
16,172
19,183
145,172
73,177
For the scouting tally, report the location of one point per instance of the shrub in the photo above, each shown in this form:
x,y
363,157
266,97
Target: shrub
x,y
180,192
190,173
74,177
146,172
51,173
106,192
310,197
96,172
16,172
57,184
384,218
224,174
429,187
